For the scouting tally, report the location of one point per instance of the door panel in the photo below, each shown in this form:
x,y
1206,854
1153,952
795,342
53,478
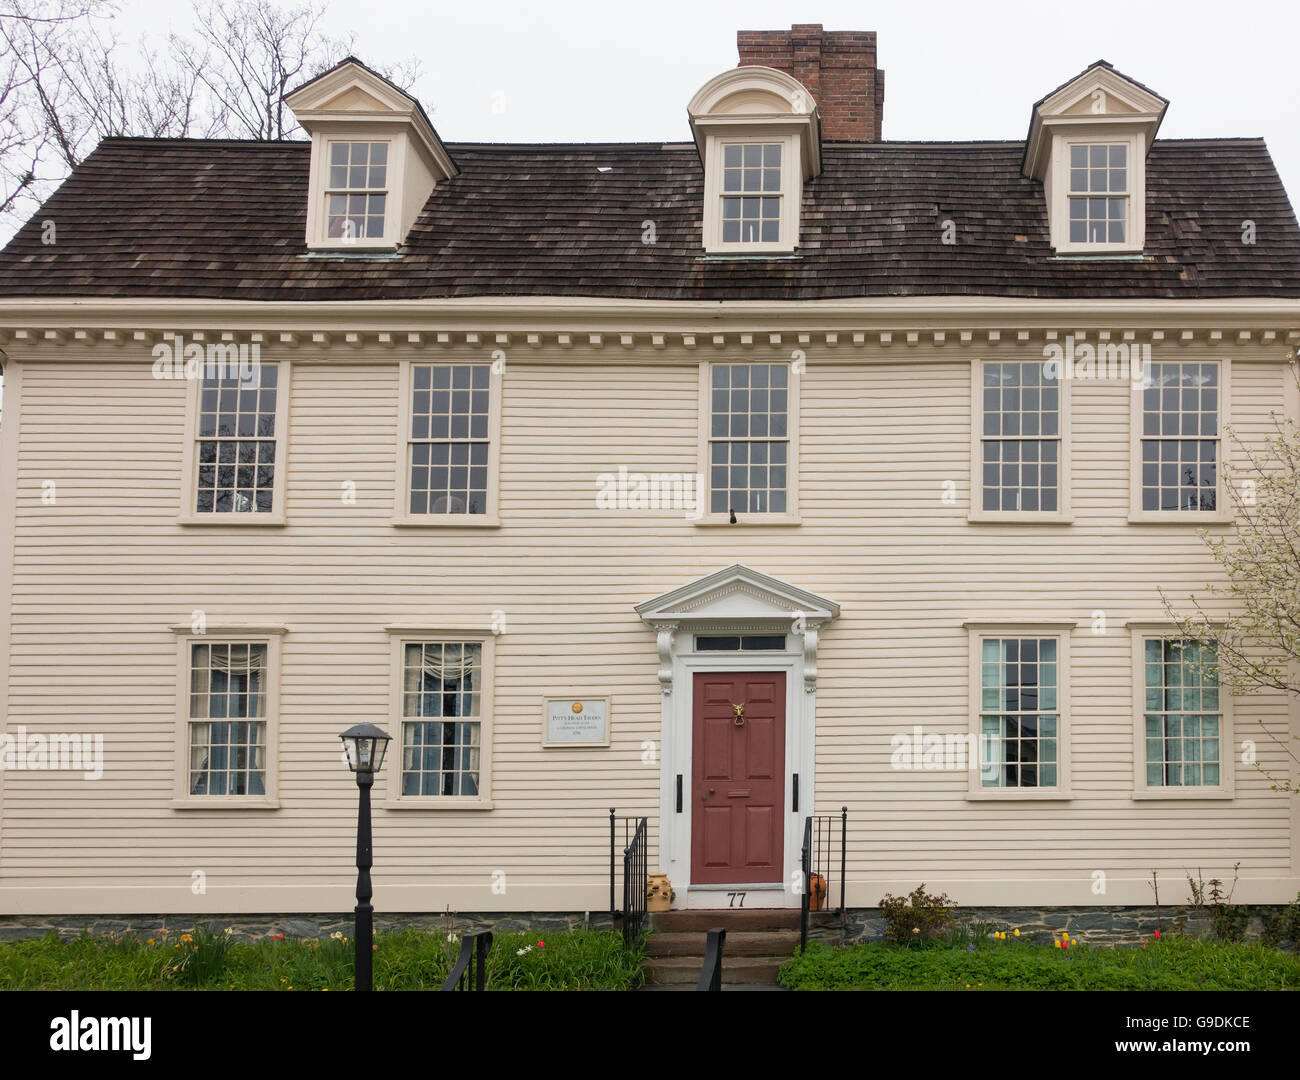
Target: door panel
x,y
738,778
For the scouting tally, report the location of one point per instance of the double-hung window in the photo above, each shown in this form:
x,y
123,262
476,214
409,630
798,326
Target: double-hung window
x,y
1178,417
235,456
449,459
1099,193
1183,720
749,448
1019,716
1019,453
356,191
226,747
751,193
444,706
1019,710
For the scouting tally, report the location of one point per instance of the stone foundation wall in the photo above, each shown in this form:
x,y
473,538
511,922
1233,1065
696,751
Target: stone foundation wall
x,y
252,927
1097,925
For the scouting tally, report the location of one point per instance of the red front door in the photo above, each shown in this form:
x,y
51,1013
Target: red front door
x,y
738,778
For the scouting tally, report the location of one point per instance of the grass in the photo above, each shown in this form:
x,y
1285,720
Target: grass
x,y
1171,963
406,960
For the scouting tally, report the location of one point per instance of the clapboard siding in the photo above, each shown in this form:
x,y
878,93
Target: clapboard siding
x,y
102,573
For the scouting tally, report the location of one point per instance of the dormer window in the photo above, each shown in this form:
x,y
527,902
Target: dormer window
x,y
357,192
1098,193
375,160
751,193
757,131
1088,144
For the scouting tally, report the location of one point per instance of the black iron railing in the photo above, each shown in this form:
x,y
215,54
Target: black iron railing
x,y
824,837
711,972
470,970
636,868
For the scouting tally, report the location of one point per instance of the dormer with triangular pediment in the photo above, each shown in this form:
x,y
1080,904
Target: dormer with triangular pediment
x,y
375,159
1088,142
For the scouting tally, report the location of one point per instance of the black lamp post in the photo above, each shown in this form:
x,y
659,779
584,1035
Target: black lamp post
x,y
365,745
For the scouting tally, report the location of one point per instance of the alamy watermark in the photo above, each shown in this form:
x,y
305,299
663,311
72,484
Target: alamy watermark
x,y
173,358
1105,360
60,751
626,490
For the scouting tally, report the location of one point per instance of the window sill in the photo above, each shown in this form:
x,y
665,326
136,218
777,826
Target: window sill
x,y
750,520
449,521
239,520
1180,517
1020,795
356,251
1157,795
225,802
1098,252
437,802
725,254
1022,517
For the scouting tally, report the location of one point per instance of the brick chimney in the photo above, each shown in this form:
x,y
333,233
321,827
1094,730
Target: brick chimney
x,y
838,67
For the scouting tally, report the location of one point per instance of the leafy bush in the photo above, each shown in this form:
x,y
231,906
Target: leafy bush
x,y
917,915
1167,964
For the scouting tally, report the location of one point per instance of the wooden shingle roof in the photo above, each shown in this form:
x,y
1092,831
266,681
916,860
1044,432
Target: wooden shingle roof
x,y
213,219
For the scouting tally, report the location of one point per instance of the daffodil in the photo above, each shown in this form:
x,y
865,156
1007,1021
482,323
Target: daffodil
x,y
1016,932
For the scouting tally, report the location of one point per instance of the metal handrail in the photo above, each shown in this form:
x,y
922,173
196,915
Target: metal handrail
x,y
636,868
815,858
470,970
711,970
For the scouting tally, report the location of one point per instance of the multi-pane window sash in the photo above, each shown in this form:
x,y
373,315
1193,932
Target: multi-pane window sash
x,y
1180,436
1019,718
227,719
751,193
449,440
1021,437
442,696
1182,717
749,440
356,192
1098,199
236,443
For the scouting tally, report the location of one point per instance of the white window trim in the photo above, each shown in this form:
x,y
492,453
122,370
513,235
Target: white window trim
x,y
189,484
1059,177
791,515
1223,512
1142,632
1064,514
317,218
393,798
491,517
1061,631
270,636
791,193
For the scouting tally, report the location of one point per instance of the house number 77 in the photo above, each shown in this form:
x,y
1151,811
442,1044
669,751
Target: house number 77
x,y
737,899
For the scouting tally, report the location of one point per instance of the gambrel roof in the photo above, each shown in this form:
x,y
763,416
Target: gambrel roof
x,y
216,219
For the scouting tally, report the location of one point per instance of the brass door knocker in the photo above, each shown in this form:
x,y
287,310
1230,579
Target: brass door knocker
x,y
739,710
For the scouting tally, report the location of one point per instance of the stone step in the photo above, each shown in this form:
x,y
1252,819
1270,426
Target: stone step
x,y
739,943
729,919
668,970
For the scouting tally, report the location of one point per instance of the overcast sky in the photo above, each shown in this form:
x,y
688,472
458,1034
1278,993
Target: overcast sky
x,y
567,70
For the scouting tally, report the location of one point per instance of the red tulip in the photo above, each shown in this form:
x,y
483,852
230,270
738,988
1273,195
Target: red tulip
x,y
1156,934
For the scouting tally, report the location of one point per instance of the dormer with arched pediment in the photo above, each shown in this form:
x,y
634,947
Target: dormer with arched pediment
x,y
1088,143
758,134
375,159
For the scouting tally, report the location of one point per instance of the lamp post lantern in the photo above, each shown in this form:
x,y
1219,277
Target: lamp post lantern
x,y
365,746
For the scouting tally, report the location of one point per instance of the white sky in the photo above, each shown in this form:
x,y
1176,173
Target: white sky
x,y
601,70
569,70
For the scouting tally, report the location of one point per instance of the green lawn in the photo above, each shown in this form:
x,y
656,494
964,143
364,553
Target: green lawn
x,y
409,960
1171,963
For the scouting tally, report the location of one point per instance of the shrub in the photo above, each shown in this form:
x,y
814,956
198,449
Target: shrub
x,y
917,915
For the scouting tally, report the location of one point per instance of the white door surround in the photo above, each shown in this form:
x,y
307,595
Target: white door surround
x,y
737,600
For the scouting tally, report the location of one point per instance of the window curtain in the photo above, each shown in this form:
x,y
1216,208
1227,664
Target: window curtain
x,y
440,682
